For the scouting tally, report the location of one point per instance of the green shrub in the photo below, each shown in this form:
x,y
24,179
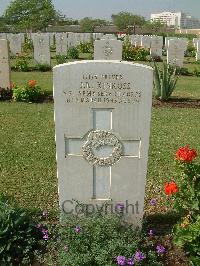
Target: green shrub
x,y
165,80
133,53
30,93
61,59
184,71
187,235
183,193
27,46
5,94
19,236
73,53
22,63
100,239
191,51
197,72
43,67
85,47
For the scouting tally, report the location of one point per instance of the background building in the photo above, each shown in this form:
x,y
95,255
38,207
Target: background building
x,y
178,20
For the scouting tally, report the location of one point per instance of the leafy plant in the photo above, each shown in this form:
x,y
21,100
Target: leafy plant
x,y
6,94
191,51
43,67
61,59
197,72
73,53
28,46
19,237
184,194
184,71
187,235
100,239
85,47
22,63
165,80
30,93
133,53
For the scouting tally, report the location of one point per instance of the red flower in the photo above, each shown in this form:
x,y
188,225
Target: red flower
x,y
32,83
171,188
186,154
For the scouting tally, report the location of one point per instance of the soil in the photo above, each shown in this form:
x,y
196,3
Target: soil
x,y
177,103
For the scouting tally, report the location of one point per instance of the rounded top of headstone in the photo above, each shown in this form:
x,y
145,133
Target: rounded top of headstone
x,y
105,62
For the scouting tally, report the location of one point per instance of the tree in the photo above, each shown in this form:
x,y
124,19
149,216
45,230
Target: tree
x,y
3,26
155,25
30,14
87,24
127,20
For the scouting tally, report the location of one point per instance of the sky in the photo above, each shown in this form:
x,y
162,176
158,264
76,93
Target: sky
x,y
77,9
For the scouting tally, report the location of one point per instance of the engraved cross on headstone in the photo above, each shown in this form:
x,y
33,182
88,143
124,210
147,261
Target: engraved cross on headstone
x,y
102,175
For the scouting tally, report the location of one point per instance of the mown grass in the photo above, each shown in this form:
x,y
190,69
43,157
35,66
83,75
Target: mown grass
x,y
28,159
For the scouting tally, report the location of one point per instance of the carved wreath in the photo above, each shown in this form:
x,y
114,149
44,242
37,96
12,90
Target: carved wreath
x,y
99,138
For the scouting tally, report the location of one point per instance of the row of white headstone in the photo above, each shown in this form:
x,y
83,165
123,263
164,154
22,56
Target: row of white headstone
x,y
108,48
111,49
176,47
67,39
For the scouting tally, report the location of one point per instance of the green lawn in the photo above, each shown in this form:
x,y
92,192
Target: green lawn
x,y
27,153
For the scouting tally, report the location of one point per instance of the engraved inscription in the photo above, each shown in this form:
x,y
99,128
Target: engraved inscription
x,y
103,88
108,50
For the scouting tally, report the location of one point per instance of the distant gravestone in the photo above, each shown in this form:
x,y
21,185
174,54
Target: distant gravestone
x,y
107,49
136,40
15,43
71,40
97,36
198,50
51,36
42,49
3,36
156,46
61,43
175,52
109,37
4,64
169,38
102,120
146,41
194,41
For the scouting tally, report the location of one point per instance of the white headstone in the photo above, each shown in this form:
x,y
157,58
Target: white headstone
x,y
146,41
15,43
108,50
136,40
3,35
169,38
4,64
156,46
61,43
71,40
102,120
109,37
175,52
51,36
42,49
198,50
